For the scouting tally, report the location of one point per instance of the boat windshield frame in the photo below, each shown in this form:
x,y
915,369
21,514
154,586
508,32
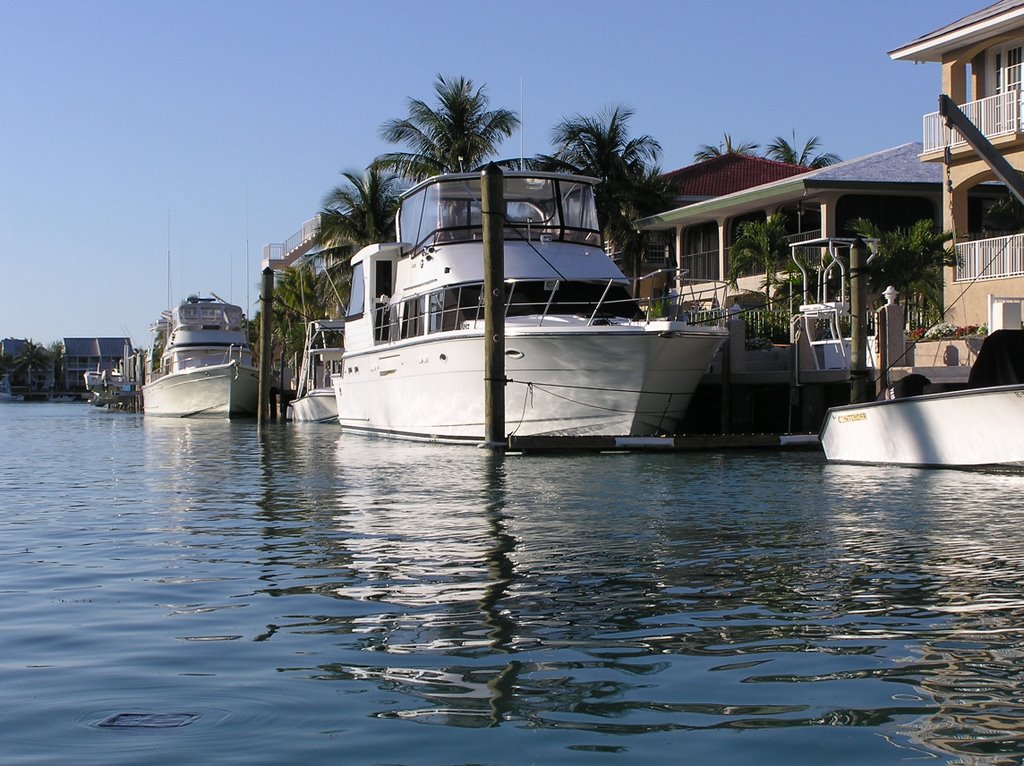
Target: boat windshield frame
x,y
539,207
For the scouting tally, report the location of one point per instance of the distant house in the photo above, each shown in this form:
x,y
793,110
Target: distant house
x,y
890,187
85,354
982,71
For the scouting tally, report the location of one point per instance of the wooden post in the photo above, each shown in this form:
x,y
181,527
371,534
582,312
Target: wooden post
x,y
858,331
266,302
492,206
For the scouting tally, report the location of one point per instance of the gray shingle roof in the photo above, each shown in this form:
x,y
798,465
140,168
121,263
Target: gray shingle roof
x,y
899,165
96,347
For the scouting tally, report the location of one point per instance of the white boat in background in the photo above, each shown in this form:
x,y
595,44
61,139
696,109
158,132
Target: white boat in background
x,y
315,401
980,425
206,368
582,357
6,394
103,386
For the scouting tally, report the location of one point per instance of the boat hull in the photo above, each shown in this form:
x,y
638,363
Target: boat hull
x,y
225,390
622,381
976,427
318,406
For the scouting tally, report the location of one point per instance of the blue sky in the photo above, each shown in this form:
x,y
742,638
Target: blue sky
x,y
137,134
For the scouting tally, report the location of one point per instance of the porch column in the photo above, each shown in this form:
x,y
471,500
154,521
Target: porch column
x,y
723,265
954,79
827,210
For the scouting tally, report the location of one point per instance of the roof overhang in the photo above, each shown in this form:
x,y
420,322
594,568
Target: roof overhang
x,y
932,46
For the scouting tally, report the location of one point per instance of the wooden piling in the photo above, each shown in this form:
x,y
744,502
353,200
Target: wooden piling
x,y
492,206
858,329
266,302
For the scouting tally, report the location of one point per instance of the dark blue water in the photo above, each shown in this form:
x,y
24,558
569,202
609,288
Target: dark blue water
x,y
197,592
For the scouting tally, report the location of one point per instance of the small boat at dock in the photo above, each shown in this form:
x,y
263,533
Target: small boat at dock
x,y
6,395
315,401
206,367
980,424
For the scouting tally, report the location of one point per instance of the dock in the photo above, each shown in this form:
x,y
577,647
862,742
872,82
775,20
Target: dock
x,y
681,443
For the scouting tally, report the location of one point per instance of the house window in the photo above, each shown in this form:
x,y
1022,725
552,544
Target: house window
x,y
1007,65
656,250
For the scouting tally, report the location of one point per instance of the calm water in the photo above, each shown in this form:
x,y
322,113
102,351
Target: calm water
x,y
195,592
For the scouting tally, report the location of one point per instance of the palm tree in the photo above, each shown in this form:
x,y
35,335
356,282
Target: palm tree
x,y
357,213
459,135
296,303
726,146
32,361
761,246
782,150
361,211
910,259
631,183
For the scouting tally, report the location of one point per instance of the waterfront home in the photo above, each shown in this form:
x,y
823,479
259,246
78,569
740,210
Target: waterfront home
x,y
891,187
982,71
83,355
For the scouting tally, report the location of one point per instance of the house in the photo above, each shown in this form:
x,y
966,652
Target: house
x,y
982,71
82,355
891,187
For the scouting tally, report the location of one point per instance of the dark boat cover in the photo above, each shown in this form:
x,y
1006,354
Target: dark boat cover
x,y
1000,361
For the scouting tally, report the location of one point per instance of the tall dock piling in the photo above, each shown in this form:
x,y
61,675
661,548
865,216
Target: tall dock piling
x,y
858,329
266,302
492,205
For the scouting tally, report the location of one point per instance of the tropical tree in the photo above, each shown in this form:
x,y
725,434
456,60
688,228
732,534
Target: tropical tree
x,y
782,150
296,303
761,246
360,211
461,134
33,361
632,185
910,259
724,147
356,213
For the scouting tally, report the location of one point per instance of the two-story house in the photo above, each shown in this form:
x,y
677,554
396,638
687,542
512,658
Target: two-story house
x,y
982,58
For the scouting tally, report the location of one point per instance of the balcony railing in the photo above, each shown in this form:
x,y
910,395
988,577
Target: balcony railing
x,y
990,258
998,115
286,251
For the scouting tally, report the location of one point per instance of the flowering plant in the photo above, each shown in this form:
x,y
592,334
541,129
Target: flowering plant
x,y
944,330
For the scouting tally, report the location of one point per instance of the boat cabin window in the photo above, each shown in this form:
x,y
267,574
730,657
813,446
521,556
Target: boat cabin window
x,y
459,306
357,298
450,211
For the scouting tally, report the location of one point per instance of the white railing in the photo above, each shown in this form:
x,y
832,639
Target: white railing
x,y
281,251
990,258
998,115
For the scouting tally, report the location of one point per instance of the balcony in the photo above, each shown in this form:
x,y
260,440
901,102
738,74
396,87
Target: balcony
x,y
995,258
995,116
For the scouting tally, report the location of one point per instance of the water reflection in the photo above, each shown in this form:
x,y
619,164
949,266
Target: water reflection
x,y
609,595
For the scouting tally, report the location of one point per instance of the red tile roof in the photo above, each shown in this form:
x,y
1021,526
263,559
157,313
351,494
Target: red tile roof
x,y
729,173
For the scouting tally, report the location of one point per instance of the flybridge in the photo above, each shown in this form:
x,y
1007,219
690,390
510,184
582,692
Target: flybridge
x,y
538,206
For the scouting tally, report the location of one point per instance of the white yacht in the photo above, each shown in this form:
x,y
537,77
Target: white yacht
x,y
582,355
315,401
206,367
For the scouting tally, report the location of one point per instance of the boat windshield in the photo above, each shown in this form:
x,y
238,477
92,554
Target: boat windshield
x,y
559,209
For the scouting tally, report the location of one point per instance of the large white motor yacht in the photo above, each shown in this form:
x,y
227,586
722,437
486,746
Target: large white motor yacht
x,y
206,367
582,355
